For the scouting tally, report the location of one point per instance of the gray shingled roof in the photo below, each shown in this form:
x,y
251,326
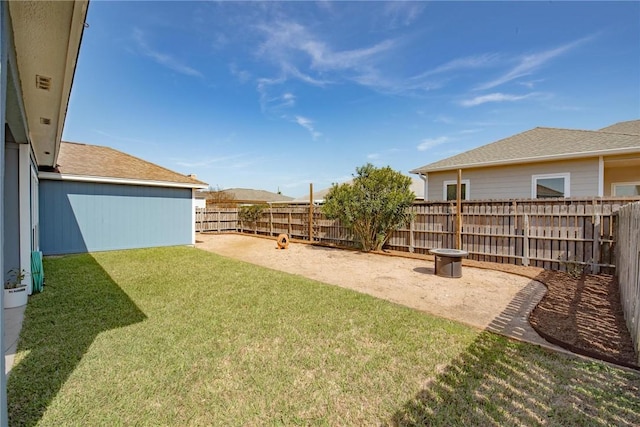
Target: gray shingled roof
x,y
542,144
250,195
104,162
632,127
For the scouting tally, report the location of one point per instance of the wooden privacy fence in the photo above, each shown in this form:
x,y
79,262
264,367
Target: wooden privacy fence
x,y
220,219
628,268
557,234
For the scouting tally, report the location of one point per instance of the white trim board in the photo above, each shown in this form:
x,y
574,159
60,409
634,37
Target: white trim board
x,y
565,175
125,181
614,184
467,188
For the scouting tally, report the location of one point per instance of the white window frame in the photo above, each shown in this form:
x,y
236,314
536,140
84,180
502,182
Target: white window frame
x,y
565,175
614,184
467,188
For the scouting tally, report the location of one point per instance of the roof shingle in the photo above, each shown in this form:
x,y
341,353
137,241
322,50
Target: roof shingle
x,y
251,195
542,144
104,162
632,127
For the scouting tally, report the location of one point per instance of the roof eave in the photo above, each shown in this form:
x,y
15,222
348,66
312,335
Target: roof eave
x,y
46,38
110,180
76,30
566,156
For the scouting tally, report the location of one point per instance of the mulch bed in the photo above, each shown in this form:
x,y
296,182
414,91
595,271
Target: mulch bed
x,y
582,314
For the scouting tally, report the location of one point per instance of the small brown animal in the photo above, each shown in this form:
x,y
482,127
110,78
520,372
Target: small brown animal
x,y
283,241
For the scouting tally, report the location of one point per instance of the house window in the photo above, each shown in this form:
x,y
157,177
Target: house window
x,y
449,191
625,189
550,185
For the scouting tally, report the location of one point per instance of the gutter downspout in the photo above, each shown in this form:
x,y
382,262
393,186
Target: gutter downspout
x,y
601,177
426,185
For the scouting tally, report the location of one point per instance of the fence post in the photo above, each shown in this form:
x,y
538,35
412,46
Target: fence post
x,y
411,242
595,260
311,212
513,248
459,210
525,242
270,220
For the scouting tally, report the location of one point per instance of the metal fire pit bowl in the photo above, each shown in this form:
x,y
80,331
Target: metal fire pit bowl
x,y
449,262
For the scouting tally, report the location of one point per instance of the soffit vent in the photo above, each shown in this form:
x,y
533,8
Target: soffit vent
x,y
45,121
43,82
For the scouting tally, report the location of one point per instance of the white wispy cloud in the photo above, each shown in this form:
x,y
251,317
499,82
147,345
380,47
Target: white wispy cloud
x,y
267,101
528,64
276,102
308,125
119,138
469,131
293,71
402,13
301,55
288,100
220,40
494,97
531,83
432,142
326,59
464,63
444,119
163,59
373,156
243,76
209,161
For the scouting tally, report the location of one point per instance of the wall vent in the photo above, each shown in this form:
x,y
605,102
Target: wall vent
x,y
45,121
43,82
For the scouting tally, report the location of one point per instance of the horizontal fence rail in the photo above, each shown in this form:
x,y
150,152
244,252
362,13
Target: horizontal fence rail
x,y
557,234
628,268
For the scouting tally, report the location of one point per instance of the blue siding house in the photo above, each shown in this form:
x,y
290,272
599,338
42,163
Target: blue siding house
x,y
39,45
100,199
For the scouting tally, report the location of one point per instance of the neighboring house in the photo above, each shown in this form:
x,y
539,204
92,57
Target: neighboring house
x,y
249,196
199,201
39,44
543,162
318,196
97,198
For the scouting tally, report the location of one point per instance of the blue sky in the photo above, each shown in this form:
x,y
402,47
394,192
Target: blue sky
x,y
277,95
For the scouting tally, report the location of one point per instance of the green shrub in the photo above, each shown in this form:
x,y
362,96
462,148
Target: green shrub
x,y
251,214
374,205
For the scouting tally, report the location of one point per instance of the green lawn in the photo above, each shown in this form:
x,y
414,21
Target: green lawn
x,y
178,336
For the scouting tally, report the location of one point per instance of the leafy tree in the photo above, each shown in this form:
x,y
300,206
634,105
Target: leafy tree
x,y
251,214
217,197
374,205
